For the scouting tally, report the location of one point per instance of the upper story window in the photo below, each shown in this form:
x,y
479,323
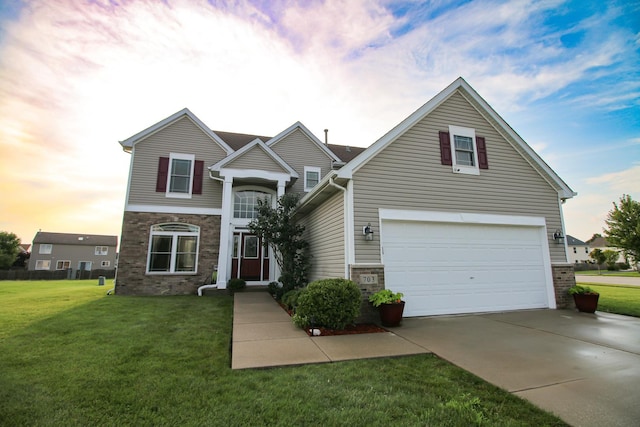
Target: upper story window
x,y
173,248
180,175
311,177
463,150
245,203
46,248
102,250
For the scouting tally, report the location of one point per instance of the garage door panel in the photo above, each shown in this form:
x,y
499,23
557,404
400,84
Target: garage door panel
x,y
464,268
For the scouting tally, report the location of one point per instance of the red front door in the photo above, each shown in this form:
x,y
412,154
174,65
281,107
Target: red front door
x,y
250,260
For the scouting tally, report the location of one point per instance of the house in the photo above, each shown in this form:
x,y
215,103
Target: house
x,y
602,244
578,251
77,253
450,207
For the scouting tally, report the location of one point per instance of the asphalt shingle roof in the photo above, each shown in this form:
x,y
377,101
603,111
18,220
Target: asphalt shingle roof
x,y
75,239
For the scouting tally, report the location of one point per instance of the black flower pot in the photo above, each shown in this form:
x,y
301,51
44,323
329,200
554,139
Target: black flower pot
x,y
391,314
587,303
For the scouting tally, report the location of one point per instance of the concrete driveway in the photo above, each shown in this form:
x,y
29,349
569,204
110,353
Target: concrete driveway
x,y
585,368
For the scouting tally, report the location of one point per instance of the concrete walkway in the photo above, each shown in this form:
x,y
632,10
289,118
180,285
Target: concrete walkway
x,y
608,280
584,368
264,335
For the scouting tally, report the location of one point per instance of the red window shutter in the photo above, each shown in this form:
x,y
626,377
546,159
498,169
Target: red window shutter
x,y
198,172
483,163
445,149
163,172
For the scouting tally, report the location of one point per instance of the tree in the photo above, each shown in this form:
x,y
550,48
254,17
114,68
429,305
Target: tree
x,y
610,258
278,229
598,256
623,224
9,243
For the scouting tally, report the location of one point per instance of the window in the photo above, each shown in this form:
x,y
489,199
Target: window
x,y
102,250
586,250
173,248
46,248
63,265
236,246
245,203
250,247
105,264
463,150
311,177
180,175
575,250
43,264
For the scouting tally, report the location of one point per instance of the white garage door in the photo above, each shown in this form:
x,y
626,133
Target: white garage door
x,y
447,268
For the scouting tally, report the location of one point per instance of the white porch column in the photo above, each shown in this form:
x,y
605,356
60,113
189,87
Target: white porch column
x,y
281,185
224,261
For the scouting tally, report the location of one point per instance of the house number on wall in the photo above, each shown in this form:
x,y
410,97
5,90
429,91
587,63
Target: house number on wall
x,y
368,279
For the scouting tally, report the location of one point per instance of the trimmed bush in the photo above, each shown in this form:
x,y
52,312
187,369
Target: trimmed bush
x,y
272,288
332,303
235,285
290,299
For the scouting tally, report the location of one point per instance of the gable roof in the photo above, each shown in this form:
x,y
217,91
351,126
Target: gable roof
x,y
572,241
346,152
127,144
75,239
599,242
238,140
261,145
460,85
297,125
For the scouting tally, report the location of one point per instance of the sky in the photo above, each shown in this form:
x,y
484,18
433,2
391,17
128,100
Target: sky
x,y
77,76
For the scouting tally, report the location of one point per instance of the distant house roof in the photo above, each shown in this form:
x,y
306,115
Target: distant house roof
x,y
24,247
75,239
599,242
572,241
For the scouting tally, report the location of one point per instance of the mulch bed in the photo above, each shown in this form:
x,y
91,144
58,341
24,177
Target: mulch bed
x,y
358,328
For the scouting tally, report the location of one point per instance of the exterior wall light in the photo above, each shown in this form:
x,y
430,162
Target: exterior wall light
x,y
368,232
558,236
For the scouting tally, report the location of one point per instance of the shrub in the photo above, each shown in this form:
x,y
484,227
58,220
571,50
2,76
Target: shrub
x,y
332,303
272,288
235,285
290,299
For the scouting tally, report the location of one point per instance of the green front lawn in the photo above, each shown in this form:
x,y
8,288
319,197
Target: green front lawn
x,y
70,355
618,299
608,273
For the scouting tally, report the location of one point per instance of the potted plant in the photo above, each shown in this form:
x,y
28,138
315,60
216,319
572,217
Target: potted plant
x,y
390,305
586,299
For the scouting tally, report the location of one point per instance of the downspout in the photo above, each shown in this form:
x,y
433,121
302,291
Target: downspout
x,y
214,275
346,246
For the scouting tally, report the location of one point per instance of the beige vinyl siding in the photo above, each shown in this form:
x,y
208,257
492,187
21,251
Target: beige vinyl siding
x,y
299,151
324,230
256,158
408,175
182,136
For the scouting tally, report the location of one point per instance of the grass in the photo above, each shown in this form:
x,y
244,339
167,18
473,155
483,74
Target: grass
x,y
618,299
608,273
70,355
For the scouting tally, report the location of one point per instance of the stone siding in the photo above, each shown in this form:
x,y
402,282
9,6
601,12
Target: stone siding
x,y
368,313
134,243
563,278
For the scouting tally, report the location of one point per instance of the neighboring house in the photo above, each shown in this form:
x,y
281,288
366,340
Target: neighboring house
x,y
602,244
74,252
450,207
578,251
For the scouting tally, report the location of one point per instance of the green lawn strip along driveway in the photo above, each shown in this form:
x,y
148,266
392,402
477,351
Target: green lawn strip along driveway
x,y
618,299
79,357
608,273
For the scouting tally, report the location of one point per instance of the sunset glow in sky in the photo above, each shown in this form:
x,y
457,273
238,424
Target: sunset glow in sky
x,y
77,76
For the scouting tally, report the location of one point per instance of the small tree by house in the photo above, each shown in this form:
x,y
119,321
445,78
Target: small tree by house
x,y
278,229
623,227
598,256
9,243
611,257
